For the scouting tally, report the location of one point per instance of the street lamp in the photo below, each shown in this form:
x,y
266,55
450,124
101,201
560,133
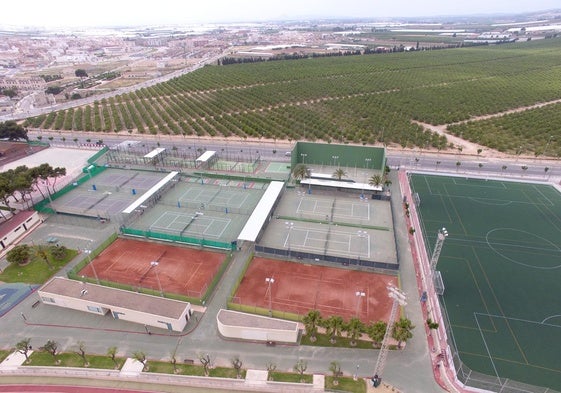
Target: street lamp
x,y
359,295
90,262
335,158
361,235
154,265
289,226
355,377
270,281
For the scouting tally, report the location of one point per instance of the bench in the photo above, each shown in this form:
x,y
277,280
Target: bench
x,y
188,361
35,304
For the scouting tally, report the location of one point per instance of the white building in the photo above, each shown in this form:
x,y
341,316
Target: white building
x,y
129,306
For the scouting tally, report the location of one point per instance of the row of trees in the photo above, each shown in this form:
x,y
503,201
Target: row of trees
x,y
19,183
301,171
52,347
12,131
334,326
340,98
21,253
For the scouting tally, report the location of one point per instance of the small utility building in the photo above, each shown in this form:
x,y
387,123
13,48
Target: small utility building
x,y
129,306
206,159
155,157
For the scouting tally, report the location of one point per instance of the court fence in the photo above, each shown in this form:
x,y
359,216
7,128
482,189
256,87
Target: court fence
x,y
91,170
73,273
192,296
178,238
345,261
236,304
231,177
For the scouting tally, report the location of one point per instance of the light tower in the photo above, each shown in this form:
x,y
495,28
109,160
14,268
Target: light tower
x,y
435,275
398,300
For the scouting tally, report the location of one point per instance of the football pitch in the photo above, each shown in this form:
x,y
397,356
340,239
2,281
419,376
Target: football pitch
x,y
501,267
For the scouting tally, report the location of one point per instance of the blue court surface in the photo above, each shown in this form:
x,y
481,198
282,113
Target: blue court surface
x,y
12,294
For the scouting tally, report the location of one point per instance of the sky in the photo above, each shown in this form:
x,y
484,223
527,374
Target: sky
x,y
102,13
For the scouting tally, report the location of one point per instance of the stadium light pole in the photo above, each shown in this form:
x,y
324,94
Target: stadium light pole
x,y
399,299
440,237
359,295
367,160
270,281
154,265
88,251
290,227
361,235
303,155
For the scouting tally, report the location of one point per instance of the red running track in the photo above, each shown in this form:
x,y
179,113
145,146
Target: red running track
x,y
62,389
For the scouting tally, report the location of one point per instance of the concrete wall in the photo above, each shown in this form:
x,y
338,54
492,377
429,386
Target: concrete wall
x,y
256,328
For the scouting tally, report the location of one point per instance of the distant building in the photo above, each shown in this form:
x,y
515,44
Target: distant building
x,y
23,84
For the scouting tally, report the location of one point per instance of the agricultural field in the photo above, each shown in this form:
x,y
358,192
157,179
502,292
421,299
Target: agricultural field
x,y
365,99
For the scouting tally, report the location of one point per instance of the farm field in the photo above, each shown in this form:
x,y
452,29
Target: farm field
x,y
361,99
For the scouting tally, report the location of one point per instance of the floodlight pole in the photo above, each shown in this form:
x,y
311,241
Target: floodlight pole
x,y
155,264
289,226
90,262
270,281
361,235
399,299
359,295
440,237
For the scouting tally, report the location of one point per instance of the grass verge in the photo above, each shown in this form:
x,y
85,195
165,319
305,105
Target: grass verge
x,y
36,271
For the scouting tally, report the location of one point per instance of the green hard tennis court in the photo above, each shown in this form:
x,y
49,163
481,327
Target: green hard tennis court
x,y
501,267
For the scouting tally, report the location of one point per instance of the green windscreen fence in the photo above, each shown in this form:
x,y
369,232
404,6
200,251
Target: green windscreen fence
x,y
177,238
339,155
42,206
91,170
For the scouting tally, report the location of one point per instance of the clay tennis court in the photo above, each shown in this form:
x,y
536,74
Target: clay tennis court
x,y
180,270
299,288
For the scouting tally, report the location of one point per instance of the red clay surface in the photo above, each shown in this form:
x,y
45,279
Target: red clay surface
x,y
299,288
180,270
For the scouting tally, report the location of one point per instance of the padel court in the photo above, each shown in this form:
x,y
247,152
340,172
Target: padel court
x,y
501,267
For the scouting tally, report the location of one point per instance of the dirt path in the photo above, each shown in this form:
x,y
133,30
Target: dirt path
x,y
471,147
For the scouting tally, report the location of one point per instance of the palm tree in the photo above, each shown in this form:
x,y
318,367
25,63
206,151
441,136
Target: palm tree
x,y
333,327
354,327
41,251
311,322
401,331
375,180
339,173
376,332
300,171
